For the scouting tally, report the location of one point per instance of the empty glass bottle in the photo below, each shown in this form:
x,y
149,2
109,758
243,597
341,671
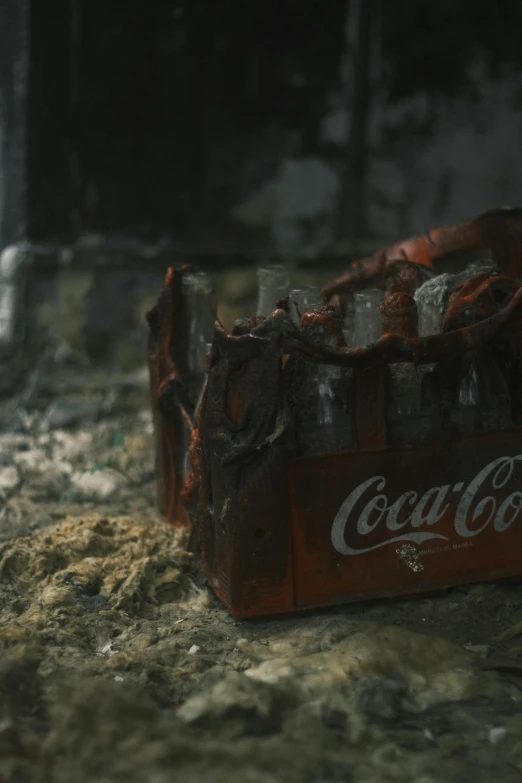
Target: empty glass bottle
x,y
199,308
464,410
195,418
349,318
433,296
273,284
367,322
304,300
410,417
208,348
483,400
495,407
325,418
13,263
200,313
431,304
479,267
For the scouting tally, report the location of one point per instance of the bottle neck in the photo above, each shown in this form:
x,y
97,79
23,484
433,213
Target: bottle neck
x,y
273,284
200,315
304,300
367,326
431,299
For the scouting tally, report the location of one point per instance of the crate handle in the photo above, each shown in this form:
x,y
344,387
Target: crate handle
x,y
498,230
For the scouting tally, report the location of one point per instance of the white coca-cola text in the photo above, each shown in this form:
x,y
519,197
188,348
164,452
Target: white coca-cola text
x,y
417,516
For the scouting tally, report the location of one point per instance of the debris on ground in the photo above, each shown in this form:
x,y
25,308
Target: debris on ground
x,y
119,664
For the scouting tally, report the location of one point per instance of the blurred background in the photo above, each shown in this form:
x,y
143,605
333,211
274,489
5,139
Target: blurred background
x,y
140,135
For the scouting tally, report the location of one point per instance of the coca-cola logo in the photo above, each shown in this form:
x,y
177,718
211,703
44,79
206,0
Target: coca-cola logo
x,y
410,513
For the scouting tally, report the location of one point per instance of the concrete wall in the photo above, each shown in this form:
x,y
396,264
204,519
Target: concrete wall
x,y
471,161
109,125
431,163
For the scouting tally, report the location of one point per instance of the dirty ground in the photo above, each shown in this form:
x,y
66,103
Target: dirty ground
x,y
117,664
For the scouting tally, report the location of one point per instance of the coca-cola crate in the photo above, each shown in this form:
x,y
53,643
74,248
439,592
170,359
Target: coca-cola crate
x,y
275,532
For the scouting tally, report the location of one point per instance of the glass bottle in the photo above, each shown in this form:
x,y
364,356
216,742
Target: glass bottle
x,y
208,348
325,418
483,401
200,308
195,418
13,263
433,296
411,419
431,303
480,267
495,408
304,300
464,410
456,280
367,323
273,284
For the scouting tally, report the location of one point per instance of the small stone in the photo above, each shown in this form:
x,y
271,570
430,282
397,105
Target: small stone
x,y
12,259
57,595
145,418
45,478
106,651
235,699
11,443
31,460
194,649
9,479
68,446
9,738
97,485
66,412
43,440
141,642
496,734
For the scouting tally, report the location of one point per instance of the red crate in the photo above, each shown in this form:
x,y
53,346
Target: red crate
x,y
274,532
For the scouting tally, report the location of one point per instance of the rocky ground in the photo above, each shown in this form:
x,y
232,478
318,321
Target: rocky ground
x,y
117,664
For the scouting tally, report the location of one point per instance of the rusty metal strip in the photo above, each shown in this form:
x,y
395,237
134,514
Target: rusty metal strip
x,y
497,230
167,360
